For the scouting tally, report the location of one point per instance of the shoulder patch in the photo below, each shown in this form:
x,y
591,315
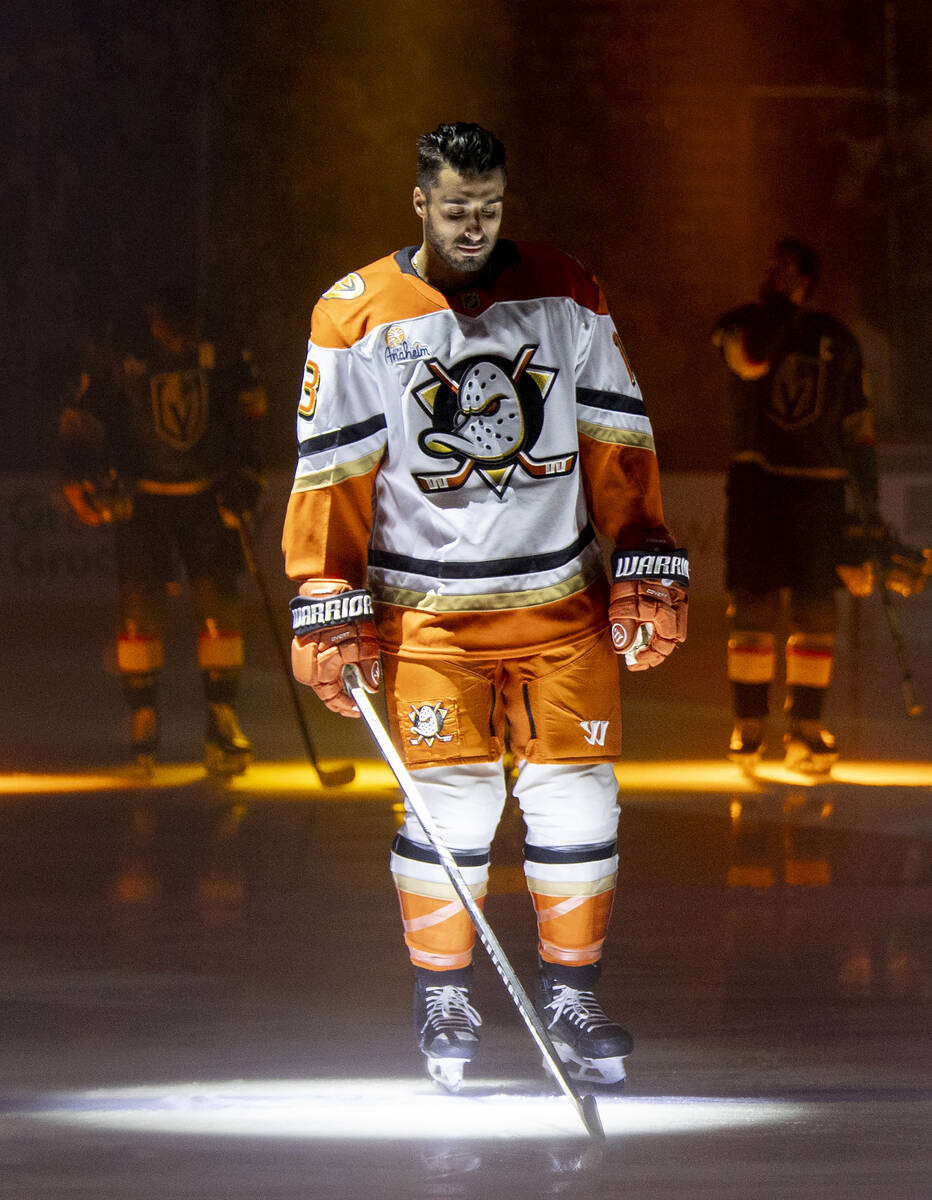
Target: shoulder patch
x,y
347,288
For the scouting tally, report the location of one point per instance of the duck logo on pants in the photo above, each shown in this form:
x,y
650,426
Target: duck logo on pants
x,y
427,724
487,413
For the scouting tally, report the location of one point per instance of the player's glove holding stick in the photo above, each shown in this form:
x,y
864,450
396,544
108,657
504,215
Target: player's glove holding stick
x,y
648,605
333,625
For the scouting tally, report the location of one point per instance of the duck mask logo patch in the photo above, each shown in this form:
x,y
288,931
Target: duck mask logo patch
x,y
487,413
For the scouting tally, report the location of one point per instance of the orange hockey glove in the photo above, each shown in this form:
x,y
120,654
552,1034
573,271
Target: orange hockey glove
x,y
333,626
648,604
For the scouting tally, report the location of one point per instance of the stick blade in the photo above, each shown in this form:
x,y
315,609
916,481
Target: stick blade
x,y
337,777
590,1112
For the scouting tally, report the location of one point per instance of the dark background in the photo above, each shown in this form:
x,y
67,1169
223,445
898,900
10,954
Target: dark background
x,y
263,150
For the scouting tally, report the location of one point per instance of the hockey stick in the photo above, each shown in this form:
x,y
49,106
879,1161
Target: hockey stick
x,y
585,1105
868,515
910,699
339,776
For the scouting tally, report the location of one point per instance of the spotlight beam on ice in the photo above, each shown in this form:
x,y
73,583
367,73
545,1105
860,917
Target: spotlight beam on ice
x,y
295,780
372,1109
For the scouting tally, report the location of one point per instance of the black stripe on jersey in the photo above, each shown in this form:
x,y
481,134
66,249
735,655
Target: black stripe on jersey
x,y
343,437
613,401
482,570
405,848
576,854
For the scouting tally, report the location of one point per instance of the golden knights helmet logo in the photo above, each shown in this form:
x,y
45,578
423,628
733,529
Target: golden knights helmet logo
x,y
179,407
487,413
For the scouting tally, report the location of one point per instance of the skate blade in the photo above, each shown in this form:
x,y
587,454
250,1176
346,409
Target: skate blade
x,y
803,762
448,1072
604,1072
218,761
748,763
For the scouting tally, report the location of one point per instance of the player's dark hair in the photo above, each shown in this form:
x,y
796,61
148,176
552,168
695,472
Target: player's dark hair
x,y
804,257
467,148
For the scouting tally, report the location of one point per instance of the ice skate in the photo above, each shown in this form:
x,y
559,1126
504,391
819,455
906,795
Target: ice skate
x,y
810,748
144,738
746,747
446,1024
592,1046
227,750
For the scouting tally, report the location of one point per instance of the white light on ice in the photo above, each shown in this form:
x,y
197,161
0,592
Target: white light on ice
x,y
397,1109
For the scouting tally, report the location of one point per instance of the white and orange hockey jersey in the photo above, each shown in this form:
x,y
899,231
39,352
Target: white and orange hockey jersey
x,y
458,453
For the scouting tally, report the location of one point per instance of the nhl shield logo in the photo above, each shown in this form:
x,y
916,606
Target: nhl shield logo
x,y
179,407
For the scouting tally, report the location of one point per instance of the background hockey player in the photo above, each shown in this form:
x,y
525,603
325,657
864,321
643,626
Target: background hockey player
x,y
162,438
468,421
802,427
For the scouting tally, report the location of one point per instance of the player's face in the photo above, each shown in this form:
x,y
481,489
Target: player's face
x,y
461,218
782,277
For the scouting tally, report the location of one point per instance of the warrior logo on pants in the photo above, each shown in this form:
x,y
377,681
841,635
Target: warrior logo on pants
x,y
487,413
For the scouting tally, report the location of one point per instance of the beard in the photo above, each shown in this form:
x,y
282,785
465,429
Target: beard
x,y
461,263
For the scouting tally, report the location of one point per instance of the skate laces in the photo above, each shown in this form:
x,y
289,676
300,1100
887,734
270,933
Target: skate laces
x,y
449,1010
580,1008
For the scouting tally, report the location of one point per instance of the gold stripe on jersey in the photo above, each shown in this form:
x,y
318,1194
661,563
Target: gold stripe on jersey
x,y
753,456
487,601
434,890
140,654
751,657
316,480
618,437
190,487
507,633
551,887
809,659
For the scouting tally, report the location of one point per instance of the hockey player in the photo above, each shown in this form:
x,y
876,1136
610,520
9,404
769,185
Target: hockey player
x,y
468,422
162,438
801,428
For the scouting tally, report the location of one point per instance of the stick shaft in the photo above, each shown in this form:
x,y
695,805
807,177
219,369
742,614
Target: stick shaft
x,y
910,699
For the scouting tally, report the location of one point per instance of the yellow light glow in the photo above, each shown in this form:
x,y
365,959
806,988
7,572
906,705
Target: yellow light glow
x,y
379,1109
372,775
717,776
33,783
884,774
373,779
282,778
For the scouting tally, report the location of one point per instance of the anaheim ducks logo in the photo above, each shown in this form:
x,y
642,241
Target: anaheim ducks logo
x,y
427,722
487,413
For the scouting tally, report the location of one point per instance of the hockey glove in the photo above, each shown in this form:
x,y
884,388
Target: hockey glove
x,y
103,501
238,495
333,626
648,604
